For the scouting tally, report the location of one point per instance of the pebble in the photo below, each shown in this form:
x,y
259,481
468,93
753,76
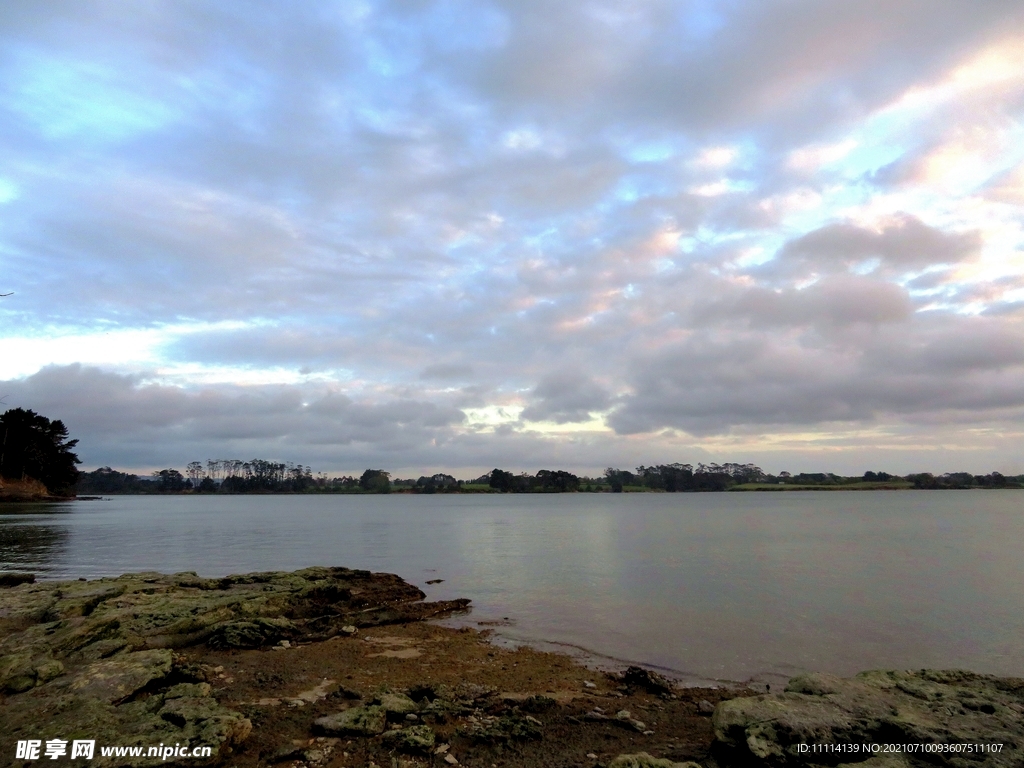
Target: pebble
x,y
411,717
591,755
588,684
450,759
442,749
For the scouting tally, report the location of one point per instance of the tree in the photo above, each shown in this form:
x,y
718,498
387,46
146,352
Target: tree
x,y
437,483
107,480
33,446
375,481
502,481
557,481
617,478
170,480
194,470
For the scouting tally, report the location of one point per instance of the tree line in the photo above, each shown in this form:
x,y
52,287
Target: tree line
x,y
262,476
36,449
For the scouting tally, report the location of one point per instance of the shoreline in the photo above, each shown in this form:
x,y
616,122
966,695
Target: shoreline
x,y
27,500
251,663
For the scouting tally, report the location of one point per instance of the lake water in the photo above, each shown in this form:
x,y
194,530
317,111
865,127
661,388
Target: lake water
x,y
727,586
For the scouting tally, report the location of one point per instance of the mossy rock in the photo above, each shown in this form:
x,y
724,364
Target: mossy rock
x,y
416,739
397,705
357,721
93,660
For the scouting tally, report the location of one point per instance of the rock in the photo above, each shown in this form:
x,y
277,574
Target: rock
x,y
537,704
589,684
397,705
472,692
644,760
450,759
345,693
416,739
187,689
892,707
288,752
357,721
250,634
20,671
645,680
116,679
95,657
705,707
501,730
14,579
624,717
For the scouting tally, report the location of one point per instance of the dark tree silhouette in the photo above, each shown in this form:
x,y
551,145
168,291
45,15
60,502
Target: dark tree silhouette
x,y
375,481
32,446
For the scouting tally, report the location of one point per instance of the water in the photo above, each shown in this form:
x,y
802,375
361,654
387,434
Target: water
x,y
711,586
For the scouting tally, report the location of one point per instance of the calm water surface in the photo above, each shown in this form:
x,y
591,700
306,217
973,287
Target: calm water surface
x,y
710,586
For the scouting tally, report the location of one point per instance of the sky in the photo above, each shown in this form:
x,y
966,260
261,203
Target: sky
x,y
451,235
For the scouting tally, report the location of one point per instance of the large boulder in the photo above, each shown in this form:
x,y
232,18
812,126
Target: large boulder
x,y
826,720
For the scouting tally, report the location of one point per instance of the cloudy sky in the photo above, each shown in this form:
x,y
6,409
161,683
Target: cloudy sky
x,y
459,234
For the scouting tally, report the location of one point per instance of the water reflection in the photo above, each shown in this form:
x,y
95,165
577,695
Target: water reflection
x,y
711,585
31,540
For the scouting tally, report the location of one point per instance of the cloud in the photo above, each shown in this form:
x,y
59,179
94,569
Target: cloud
x,y
901,244
711,384
834,301
326,231
566,396
125,418
443,372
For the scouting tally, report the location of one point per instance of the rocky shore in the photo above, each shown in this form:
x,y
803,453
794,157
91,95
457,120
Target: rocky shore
x,y
330,667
